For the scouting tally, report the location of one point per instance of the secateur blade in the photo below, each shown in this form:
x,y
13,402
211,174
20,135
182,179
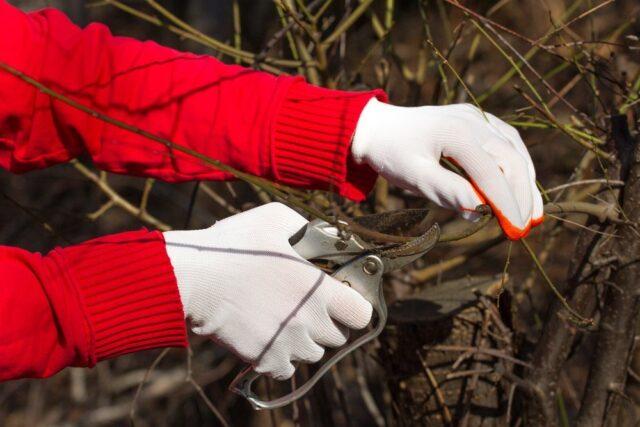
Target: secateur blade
x,y
398,256
321,240
401,222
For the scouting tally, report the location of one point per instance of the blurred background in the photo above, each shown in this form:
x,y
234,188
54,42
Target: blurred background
x,y
426,369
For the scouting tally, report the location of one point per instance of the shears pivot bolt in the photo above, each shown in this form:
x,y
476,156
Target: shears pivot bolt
x,y
370,267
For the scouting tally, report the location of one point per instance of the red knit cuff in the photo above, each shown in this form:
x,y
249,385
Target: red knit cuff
x,y
129,293
312,138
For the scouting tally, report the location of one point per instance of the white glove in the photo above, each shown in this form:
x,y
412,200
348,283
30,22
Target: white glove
x,y
405,145
242,283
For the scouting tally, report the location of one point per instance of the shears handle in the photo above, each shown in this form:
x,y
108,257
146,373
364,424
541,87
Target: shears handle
x,y
364,274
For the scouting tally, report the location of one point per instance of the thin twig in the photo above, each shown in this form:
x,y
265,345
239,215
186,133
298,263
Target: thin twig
x,y
118,200
488,351
446,414
201,392
582,321
152,367
613,183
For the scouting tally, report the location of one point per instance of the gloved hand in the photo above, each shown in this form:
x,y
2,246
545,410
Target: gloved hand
x,y
242,284
405,145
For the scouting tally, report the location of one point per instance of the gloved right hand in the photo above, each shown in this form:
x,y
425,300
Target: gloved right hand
x,y
242,284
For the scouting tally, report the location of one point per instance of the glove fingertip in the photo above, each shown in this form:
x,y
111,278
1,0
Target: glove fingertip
x,y
537,221
279,373
511,231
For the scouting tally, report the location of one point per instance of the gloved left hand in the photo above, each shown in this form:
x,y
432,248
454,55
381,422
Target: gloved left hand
x,y
406,144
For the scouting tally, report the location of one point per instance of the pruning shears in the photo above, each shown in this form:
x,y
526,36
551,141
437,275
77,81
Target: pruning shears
x,y
360,265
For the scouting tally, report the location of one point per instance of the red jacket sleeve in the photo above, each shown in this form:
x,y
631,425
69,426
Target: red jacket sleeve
x,y
115,295
276,127
79,305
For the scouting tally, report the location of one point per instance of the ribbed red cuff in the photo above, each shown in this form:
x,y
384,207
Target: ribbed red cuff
x,y
312,138
128,291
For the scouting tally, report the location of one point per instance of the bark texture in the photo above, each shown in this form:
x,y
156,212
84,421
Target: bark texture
x,y
621,309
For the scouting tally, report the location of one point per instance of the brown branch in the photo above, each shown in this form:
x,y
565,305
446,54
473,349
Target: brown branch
x,y
434,270
574,20
558,335
621,310
35,216
184,30
612,183
601,212
446,413
117,200
488,351
604,155
347,22
536,44
134,402
189,378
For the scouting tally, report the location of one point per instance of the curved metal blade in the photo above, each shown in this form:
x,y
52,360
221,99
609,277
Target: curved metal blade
x,y
401,222
399,256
